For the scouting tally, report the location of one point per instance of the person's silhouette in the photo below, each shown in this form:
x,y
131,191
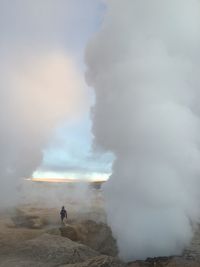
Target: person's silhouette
x,y
63,213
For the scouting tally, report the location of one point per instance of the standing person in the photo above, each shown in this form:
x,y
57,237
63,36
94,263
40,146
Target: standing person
x,y
63,214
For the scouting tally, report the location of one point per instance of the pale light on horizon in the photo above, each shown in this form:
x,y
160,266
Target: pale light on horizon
x,y
70,176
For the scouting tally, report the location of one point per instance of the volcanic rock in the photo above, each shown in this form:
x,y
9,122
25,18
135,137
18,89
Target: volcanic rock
x,y
97,236
70,232
180,262
100,261
53,250
17,262
165,262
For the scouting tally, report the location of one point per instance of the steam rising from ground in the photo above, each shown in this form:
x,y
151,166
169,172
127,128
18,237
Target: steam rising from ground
x,y
144,66
39,86
36,94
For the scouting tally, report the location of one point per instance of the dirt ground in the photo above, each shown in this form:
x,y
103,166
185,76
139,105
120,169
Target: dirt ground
x,y
12,234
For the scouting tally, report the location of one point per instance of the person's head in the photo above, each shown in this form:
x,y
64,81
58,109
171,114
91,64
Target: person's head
x,y
63,207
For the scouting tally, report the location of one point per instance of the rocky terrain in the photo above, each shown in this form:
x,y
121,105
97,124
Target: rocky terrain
x,y
35,237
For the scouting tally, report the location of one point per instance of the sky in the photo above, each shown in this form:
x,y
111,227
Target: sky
x,y
30,29
70,152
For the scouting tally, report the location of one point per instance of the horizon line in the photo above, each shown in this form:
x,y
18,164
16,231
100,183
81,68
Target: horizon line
x,y
64,180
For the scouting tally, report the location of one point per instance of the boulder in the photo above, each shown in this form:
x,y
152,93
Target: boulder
x,y
100,261
70,232
97,236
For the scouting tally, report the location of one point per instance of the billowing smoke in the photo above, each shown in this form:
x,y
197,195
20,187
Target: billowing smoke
x,y
144,67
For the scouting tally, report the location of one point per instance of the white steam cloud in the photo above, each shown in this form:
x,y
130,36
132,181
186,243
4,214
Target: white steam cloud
x,y
144,67
40,85
36,94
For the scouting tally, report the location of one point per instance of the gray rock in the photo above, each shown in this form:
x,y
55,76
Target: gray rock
x,y
100,261
165,262
180,262
16,262
97,236
53,250
70,232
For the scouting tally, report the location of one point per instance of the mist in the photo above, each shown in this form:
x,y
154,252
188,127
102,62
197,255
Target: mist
x,y
36,95
144,67
40,85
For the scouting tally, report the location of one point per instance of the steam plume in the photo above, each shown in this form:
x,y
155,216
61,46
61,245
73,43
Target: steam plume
x,y
144,67
39,84
36,94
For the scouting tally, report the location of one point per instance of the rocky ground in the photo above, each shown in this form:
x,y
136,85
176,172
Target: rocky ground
x,y
35,237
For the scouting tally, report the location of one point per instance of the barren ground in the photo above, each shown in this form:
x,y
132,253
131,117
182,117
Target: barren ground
x,y
13,235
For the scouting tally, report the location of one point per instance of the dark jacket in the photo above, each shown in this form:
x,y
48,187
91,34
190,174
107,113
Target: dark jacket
x,y
63,213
